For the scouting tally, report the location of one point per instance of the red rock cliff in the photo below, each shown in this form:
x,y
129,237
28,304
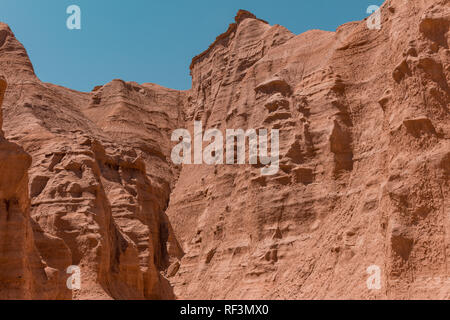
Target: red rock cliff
x,y
364,170
99,180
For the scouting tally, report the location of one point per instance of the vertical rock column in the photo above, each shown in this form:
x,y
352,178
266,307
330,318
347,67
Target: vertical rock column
x,y
20,267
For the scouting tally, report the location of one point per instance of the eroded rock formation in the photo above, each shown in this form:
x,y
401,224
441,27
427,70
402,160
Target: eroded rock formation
x,y
364,170
364,132
21,271
99,180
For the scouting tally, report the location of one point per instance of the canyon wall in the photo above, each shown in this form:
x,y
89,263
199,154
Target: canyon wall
x,y
364,162
99,182
22,273
364,127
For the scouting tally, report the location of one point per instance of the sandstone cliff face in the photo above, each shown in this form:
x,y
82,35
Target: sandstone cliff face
x,y
99,180
20,267
364,170
364,142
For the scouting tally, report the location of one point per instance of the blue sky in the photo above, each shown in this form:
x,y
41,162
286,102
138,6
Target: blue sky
x,y
148,40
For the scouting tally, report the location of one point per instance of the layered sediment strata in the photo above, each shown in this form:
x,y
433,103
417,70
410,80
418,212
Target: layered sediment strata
x,y
364,171
364,141
99,182
21,271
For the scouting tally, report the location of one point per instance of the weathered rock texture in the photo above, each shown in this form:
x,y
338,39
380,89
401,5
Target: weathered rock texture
x,y
364,170
18,254
99,182
365,156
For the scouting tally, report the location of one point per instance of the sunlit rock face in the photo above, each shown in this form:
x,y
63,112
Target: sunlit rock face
x,y
363,179
364,162
99,184
22,274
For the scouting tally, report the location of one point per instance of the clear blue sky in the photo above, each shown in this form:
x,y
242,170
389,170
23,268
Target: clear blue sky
x,y
148,40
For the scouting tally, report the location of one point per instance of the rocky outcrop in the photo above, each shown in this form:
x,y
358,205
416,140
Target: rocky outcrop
x,y
22,274
99,181
364,141
363,174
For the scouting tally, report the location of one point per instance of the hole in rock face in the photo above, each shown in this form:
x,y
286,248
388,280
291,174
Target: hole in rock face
x,y
3,36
